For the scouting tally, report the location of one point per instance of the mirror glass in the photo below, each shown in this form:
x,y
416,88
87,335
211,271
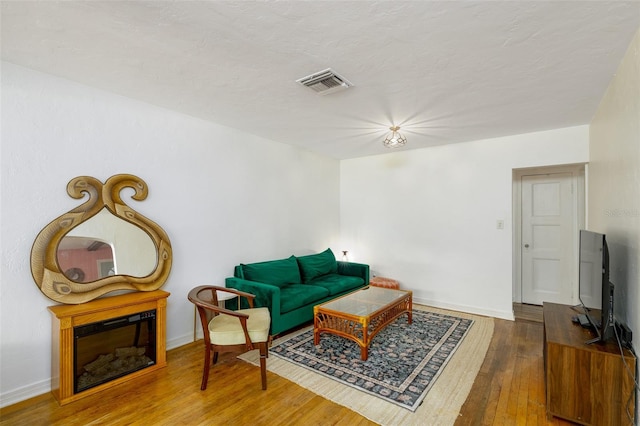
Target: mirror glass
x,y
103,246
85,259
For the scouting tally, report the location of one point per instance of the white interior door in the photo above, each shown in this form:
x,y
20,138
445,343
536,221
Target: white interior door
x,y
548,228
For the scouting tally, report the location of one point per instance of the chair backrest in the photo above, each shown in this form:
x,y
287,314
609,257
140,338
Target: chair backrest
x,y
204,295
204,298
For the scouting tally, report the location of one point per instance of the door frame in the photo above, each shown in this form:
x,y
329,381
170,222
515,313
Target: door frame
x,y
579,207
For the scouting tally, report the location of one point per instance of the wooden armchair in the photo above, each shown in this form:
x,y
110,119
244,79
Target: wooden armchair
x,y
231,331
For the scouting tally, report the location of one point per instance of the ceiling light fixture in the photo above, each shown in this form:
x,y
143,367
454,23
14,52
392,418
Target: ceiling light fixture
x,y
395,138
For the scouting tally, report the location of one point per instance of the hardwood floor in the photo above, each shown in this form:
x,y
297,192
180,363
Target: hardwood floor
x,y
524,312
509,389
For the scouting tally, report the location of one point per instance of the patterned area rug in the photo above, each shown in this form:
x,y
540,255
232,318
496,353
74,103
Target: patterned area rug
x,y
403,363
442,403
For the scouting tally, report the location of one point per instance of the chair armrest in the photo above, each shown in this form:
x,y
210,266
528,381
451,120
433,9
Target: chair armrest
x,y
354,269
212,304
219,310
235,291
214,297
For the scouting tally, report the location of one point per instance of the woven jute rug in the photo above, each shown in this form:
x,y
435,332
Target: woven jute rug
x,y
445,376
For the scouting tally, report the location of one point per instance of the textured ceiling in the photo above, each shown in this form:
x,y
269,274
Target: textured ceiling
x,y
446,72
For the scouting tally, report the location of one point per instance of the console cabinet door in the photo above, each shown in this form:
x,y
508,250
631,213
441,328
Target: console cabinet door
x,y
569,383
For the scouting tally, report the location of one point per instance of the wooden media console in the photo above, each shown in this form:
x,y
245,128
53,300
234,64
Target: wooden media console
x,y
585,383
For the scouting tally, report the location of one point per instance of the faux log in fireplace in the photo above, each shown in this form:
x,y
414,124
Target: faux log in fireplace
x,y
102,343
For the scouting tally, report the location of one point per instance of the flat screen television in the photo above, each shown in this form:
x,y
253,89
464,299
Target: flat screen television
x,y
595,290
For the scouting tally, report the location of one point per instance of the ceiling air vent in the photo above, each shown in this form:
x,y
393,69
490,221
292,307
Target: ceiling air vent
x,y
325,82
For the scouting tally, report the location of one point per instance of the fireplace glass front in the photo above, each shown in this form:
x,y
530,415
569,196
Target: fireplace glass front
x,y
113,348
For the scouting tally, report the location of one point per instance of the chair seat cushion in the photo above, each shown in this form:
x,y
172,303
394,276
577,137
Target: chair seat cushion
x,y
227,329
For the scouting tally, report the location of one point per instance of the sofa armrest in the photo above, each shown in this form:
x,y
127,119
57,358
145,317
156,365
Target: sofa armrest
x,y
266,295
354,269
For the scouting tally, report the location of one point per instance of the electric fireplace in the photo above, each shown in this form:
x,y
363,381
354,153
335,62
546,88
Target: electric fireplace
x,y
113,348
99,344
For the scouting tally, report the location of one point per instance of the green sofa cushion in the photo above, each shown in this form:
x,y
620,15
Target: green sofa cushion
x,y
337,284
275,272
294,296
316,265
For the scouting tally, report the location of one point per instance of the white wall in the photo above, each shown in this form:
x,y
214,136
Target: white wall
x,y
223,197
614,182
428,217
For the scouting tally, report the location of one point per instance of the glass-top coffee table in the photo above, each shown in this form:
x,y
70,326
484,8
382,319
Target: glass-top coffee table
x,y
360,315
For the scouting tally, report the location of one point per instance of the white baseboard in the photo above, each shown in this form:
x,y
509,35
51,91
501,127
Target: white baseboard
x,y
507,315
25,392
185,339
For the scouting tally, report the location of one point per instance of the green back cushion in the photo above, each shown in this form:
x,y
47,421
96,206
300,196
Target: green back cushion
x,y
274,272
316,265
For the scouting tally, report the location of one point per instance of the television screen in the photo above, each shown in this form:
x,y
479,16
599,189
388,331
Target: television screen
x,y
591,269
595,290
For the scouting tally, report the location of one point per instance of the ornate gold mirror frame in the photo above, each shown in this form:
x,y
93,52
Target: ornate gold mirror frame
x,y
69,287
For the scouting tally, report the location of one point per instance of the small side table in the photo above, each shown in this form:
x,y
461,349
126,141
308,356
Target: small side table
x,y
384,282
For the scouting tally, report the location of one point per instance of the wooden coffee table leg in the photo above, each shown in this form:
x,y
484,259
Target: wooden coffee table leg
x,y
364,352
364,348
316,332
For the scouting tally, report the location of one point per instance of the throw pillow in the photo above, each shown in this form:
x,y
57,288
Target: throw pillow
x,y
316,265
275,272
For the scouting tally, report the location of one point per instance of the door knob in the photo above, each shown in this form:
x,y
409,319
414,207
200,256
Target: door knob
x,y
526,246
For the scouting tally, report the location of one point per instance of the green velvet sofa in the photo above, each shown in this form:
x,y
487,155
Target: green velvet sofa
x,y
291,287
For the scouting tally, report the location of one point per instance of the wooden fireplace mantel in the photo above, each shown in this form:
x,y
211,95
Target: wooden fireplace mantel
x,y
66,317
